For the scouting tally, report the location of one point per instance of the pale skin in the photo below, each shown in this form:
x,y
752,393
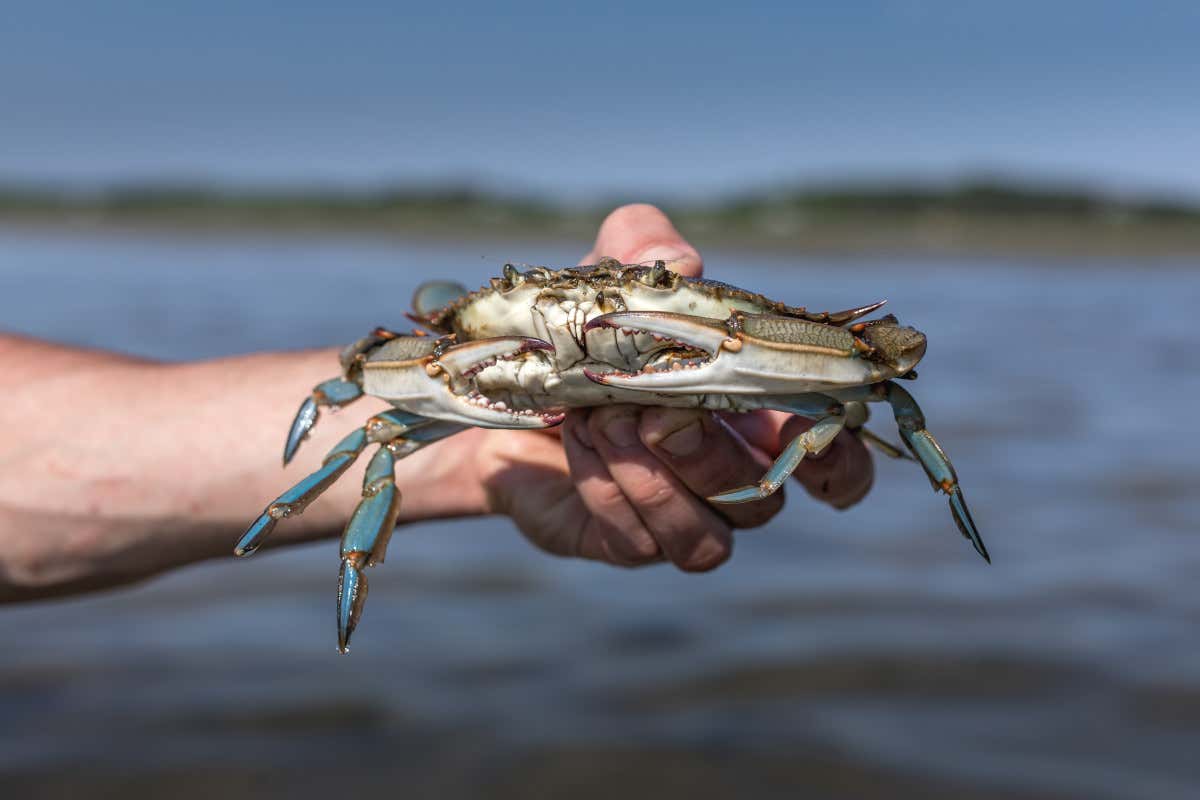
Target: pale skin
x,y
113,468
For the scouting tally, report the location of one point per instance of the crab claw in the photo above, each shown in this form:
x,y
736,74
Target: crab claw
x,y
470,357
746,354
437,381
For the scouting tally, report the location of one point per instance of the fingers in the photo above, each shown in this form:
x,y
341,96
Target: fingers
x,y
613,531
637,233
708,458
640,510
690,533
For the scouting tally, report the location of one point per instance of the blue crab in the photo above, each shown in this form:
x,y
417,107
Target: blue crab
x,y
520,351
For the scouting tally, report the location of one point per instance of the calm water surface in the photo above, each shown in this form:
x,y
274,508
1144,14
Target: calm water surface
x,y
855,654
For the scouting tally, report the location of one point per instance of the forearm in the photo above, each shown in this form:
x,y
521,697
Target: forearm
x,y
113,468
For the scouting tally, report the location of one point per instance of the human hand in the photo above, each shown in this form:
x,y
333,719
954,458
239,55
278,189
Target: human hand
x,y
627,484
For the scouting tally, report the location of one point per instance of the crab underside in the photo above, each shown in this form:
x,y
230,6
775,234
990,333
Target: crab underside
x,y
522,351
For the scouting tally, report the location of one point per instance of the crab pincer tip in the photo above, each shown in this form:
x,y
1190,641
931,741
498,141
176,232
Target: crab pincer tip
x,y
966,525
531,343
253,538
602,378
744,494
352,594
977,543
305,418
598,322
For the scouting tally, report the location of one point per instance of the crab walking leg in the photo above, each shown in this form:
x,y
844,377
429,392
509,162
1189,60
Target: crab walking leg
x,y
911,421
365,540
937,465
813,440
297,498
392,424
857,414
882,445
333,393
383,427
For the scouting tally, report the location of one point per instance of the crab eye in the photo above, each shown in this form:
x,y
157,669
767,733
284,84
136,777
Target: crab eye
x,y
435,295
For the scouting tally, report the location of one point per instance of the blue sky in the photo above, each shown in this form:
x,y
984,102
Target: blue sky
x,y
662,99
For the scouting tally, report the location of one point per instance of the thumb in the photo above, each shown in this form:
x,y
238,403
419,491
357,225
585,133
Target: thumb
x,y
638,233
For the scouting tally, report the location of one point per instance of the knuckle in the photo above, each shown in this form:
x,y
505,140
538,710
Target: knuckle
x,y
719,462
605,495
710,476
654,496
660,427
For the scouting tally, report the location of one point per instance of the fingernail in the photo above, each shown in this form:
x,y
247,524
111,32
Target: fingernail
x,y
583,435
621,430
684,441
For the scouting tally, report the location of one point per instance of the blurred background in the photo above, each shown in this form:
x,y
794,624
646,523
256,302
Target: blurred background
x,y
1022,181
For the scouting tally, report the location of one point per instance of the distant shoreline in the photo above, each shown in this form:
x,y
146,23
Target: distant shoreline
x,y
980,219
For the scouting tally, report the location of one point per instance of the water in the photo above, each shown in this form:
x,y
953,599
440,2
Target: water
x,y
858,654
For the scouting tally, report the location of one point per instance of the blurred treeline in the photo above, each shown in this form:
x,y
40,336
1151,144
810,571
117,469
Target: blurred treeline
x,y
1003,217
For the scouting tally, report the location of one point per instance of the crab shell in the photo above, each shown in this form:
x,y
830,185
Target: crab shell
x,y
518,352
